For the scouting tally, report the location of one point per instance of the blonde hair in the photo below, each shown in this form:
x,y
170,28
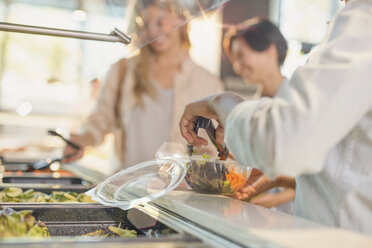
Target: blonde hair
x,y
143,69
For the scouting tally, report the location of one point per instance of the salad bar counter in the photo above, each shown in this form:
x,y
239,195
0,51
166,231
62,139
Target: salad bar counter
x,y
93,220
44,208
37,215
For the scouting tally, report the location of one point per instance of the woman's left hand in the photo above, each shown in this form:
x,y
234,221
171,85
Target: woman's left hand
x,y
259,183
269,200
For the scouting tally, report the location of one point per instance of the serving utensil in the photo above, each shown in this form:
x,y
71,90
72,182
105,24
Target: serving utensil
x,y
48,161
207,124
69,142
43,163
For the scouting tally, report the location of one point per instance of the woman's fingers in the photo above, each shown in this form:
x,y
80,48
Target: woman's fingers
x,y
190,115
257,184
215,107
273,200
187,124
69,150
247,193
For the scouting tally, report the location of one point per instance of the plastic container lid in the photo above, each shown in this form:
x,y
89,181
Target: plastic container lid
x,y
140,184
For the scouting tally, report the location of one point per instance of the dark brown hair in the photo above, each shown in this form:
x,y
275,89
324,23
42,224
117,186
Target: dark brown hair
x,y
259,34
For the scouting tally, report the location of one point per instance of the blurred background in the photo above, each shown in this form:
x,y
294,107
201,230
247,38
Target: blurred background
x,y
48,82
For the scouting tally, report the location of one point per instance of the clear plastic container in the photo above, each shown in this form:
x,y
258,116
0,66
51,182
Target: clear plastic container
x,y
152,179
215,176
140,184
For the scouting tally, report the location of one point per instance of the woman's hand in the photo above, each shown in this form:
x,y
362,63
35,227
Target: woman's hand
x,y
69,150
258,183
269,200
216,107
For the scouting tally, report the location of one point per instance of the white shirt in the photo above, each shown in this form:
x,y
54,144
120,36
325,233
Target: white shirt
x,y
287,207
321,131
156,114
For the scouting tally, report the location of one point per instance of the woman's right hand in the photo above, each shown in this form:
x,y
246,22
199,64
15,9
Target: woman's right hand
x,y
69,150
216,107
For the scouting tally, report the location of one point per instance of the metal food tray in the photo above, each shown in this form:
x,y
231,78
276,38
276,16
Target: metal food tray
x,y
76,221
22,174
47,190
44,180
17,167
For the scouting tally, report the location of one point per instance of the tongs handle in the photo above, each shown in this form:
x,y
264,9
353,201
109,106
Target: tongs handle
x,y
207,124
55,133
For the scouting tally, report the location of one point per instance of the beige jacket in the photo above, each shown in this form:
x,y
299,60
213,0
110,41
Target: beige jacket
x,y
191,83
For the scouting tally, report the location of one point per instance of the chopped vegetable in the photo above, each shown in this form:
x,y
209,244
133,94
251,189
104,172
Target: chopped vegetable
x,y
213,176
237,180
19,224
13,194
112,232
23,224
123,232
100,233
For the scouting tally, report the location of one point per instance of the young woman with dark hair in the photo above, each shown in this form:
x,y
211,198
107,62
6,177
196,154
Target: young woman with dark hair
x,y
320,132
257,49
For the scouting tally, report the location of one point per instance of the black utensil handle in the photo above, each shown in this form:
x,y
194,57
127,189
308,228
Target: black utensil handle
x,y
77,147
70,143
207,124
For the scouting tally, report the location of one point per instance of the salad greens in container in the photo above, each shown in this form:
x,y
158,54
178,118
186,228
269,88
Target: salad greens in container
x,y
213,176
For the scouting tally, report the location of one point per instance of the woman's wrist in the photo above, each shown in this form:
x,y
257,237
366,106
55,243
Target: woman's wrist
x,y
286,182
83,139
223,104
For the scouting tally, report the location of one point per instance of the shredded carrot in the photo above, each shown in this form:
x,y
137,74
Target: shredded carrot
x,y
237,180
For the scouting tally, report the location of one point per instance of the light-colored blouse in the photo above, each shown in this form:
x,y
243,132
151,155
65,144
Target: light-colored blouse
x,y
192,82
156,115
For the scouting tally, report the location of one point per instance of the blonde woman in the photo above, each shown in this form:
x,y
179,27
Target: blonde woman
x,y
143,98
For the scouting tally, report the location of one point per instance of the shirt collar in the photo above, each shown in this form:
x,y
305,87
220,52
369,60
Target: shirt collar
x,y
282,88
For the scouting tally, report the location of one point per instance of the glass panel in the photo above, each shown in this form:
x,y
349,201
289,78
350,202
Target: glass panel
x,y
143,20
50,75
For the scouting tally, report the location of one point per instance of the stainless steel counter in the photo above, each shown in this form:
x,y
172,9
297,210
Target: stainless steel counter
x,y
219,221
253,226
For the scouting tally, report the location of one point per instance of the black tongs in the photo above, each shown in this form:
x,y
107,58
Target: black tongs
x,y
55,133
207,124
43,163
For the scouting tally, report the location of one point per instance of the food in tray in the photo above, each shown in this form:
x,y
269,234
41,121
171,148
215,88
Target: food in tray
x,y
112,232
20,224
123,232
14,194
206,175
23,224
